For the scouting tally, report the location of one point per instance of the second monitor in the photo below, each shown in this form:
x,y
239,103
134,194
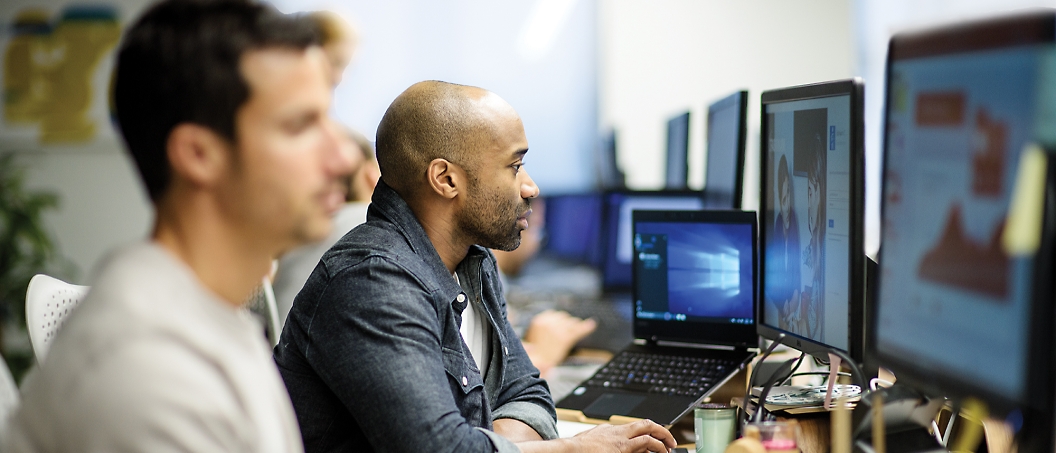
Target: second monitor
x,y
812,217
727,131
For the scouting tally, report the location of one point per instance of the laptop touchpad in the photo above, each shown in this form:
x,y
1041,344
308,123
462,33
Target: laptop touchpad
x,y
611,404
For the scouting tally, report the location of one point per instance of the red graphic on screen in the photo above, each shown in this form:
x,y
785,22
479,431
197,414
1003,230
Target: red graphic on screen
x,y
988,165
940,109
958,261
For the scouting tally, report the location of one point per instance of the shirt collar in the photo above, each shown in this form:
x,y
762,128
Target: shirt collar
x,y
386,204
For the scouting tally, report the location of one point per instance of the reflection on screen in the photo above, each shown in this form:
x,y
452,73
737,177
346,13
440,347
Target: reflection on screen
x,y
807,214
950,296
694,271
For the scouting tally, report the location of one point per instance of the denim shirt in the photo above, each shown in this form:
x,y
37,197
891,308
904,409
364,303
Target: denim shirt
x,y
372,355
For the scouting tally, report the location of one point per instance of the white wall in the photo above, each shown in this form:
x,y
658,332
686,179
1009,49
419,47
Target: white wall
x,y
661,57
101,202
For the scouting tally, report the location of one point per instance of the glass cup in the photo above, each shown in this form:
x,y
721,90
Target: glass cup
x,y
775,436
714,425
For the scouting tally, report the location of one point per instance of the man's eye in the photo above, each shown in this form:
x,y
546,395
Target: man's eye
x,y
517,168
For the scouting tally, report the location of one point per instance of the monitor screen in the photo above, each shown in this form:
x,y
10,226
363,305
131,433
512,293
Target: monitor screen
x,y
573,223
619,243
954,308
724,168
813,274
677,152
694,274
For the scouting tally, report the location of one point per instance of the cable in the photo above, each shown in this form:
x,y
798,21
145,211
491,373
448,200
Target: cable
x,y
874,384
954,410
795,367
855,370
819,373
774,378
751,379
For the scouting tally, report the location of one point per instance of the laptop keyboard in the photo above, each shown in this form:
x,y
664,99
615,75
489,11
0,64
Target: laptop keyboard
x,y
662,374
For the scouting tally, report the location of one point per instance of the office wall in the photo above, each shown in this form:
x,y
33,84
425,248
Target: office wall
x,y
663,57
545,67
101,203
539,55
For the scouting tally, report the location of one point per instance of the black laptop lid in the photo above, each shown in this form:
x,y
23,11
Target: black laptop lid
x,y
694,277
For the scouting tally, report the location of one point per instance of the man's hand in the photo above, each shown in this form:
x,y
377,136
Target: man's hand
x,y
551,335
639,437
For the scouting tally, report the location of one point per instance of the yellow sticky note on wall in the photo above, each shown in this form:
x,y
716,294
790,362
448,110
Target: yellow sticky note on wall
x,y
1022,234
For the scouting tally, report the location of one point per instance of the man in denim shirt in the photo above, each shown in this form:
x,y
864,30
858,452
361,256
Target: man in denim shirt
x,y
399,339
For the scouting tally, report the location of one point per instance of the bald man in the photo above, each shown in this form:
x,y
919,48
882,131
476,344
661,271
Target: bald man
x,y
399,339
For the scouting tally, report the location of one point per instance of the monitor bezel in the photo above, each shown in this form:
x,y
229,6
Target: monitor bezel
x,y
1033,28
855,89
609,238
737,335
681,156
739,98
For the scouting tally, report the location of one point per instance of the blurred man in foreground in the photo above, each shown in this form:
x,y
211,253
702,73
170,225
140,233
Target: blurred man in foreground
x,y
223,106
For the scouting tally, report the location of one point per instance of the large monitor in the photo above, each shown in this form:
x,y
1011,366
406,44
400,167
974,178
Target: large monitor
x,y
677,152
727,130
618,245
812,217
962,309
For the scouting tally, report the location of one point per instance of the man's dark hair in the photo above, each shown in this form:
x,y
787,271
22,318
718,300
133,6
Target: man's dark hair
x,y
180,63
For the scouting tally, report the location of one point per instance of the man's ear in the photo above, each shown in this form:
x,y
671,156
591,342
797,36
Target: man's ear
x,y
445,178
197,154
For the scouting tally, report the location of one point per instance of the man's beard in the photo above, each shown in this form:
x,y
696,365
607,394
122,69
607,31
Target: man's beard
x,y
492,223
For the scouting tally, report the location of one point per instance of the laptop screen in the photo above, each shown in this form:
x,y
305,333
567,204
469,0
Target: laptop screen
x,y
694,278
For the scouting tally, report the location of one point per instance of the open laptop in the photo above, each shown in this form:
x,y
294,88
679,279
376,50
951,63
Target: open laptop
x,y
694,288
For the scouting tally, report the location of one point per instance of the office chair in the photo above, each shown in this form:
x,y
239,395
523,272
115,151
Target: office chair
x,y
262,303
48,302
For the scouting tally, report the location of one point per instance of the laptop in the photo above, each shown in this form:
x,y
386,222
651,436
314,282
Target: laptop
x,y
694,291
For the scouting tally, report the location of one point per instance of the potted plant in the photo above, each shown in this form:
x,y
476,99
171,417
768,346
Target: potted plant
x,y
26,249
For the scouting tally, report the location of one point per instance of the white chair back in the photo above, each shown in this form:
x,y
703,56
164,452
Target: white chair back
x,y
48,302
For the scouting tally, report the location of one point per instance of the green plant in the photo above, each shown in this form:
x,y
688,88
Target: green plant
x,y
26,248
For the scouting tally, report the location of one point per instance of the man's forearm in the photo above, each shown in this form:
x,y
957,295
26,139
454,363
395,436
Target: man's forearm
x,y
515,430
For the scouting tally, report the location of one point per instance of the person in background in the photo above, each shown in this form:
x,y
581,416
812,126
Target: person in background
x,y
295,266
399,340
339,39
231,136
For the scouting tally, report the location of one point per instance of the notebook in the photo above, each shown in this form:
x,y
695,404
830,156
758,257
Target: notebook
x,y
694,291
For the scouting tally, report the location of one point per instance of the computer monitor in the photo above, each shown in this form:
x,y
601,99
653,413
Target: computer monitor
x,y
618,245
677,152
812,217
727,129
963,310
610,177
573,227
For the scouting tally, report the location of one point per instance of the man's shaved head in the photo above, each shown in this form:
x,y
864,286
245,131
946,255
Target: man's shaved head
x,y
433,120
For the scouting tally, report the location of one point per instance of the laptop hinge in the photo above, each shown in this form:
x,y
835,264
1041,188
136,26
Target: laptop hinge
x,y
679,344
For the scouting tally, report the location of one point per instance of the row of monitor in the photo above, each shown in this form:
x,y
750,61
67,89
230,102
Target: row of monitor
x,y
727,131
962,302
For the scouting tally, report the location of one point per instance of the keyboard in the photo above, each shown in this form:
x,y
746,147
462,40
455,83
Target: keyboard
x,y
662,374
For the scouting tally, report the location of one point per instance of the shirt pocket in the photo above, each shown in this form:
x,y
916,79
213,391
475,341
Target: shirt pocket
x,y
461,375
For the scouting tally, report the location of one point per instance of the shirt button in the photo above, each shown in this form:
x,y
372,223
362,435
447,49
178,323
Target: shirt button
x,y
461,298
504,348
465,381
